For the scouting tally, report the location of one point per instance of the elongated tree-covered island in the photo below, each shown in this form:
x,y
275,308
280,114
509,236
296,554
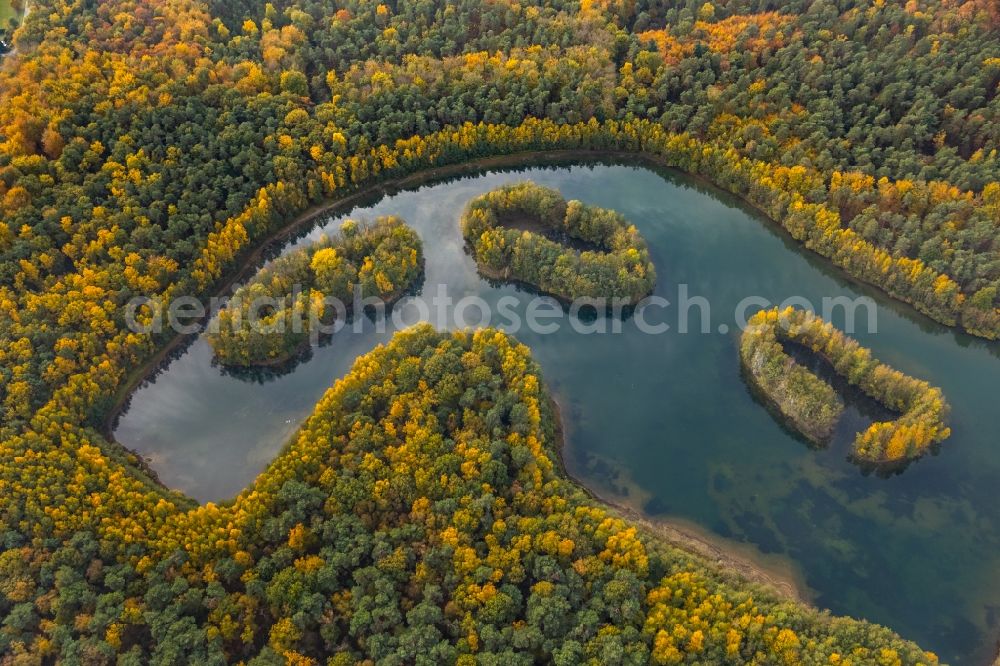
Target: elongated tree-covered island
x,y
812,406
506,231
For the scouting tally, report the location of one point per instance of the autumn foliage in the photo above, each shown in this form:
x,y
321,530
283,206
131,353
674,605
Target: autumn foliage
x,y
615,265
147,148
273,315
812,406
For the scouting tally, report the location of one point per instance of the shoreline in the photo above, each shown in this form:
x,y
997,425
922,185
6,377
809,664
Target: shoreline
x,y
424,176
296,353
717,552
251,260
565,302
689,537
695,540
816,439
728,557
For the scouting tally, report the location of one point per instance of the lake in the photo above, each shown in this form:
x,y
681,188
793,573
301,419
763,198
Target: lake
x,y
664,422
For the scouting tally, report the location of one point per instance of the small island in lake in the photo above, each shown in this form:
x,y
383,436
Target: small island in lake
x,y
812,407
530,234
271,317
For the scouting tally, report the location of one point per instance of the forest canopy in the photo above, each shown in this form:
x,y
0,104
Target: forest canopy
x,y
508,232
419,513
812,406
146,149
276,312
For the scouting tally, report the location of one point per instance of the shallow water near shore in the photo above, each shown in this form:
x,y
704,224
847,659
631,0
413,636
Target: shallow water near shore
x,y
664,423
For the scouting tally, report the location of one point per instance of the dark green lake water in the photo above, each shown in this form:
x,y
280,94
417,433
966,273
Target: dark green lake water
x,y
665,422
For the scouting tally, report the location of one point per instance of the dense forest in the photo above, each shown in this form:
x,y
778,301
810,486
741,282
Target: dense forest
x,y
812,406
419,516
276,313
147,147
618,266
807,403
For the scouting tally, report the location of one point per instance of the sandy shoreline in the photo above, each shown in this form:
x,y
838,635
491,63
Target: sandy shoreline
x,y
739,559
